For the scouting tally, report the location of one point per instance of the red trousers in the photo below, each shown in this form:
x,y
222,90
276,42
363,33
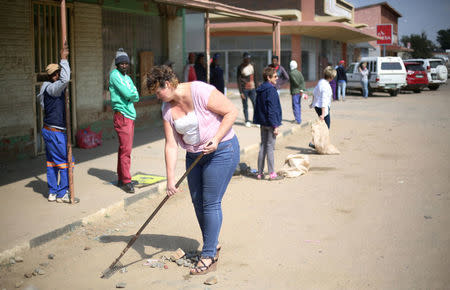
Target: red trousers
x,y
125,132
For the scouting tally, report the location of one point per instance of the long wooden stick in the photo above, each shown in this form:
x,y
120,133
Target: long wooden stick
x,y
67,101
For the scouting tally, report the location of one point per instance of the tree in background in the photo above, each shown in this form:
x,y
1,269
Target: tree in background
x,y
423,47
444,38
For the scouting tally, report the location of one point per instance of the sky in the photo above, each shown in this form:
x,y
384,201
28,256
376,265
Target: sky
x,y
417,15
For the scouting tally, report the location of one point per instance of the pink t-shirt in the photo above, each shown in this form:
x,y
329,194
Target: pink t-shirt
x,y
208,121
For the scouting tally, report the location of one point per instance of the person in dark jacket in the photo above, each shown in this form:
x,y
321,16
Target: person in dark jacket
x,y
268,115
52,100
200,67
341,80
216,74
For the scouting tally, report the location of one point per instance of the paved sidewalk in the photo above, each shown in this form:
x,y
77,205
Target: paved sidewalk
x,y
28,220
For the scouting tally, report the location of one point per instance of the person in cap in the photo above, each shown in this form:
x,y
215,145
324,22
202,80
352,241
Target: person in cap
x,y
189,70
283,76
123,96
297,88
246,84
52,100
341,80
216,74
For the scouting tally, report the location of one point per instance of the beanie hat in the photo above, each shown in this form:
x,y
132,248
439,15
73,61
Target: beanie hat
x,y
121,56
293,64
51,68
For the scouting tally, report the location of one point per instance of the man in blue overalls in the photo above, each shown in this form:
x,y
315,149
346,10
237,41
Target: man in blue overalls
x,y
52,100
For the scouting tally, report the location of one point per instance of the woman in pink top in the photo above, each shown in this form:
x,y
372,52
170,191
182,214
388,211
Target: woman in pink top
x,y
198,118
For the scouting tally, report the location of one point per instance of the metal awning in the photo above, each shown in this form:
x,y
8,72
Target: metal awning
x,y
227,10
324,30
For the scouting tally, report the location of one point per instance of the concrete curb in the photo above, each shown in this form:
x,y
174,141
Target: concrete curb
x,y
154,191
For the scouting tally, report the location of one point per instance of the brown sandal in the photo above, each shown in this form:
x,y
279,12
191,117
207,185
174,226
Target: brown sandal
x,y
201,270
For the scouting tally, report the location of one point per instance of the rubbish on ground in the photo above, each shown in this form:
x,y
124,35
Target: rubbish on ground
x,y
145,179
178,254
121,285
211,280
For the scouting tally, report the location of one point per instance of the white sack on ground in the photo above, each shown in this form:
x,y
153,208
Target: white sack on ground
x,y
321,138
295,165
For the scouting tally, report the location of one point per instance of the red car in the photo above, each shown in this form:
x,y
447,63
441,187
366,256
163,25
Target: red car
x,y
416,76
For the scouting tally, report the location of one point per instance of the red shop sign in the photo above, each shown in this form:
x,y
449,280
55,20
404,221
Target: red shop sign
x,y
384,33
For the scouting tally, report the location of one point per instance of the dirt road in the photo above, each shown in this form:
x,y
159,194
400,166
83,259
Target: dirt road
x,y
375,217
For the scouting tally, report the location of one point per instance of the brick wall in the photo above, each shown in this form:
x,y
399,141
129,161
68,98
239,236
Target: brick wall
x,y
370,16
16,76
88,61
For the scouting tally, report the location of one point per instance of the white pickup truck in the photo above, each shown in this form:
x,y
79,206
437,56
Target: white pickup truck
x,y
386,74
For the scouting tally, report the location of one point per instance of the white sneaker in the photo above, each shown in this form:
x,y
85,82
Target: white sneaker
x,y
258,125
51,196
65,198
248,124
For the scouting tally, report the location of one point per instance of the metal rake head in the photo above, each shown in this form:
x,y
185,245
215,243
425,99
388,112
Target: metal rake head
x,y
111,270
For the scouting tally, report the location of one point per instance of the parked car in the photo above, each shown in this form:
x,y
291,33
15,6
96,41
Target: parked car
x,y
386,74
416,76
437,72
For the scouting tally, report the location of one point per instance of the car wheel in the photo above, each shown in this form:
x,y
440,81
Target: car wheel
x,y
433,87
417,91
393,93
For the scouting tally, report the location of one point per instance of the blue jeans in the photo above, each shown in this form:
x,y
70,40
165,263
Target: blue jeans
x,y
248,94
327,117
341,89
297,107
56,152
365,89
208,181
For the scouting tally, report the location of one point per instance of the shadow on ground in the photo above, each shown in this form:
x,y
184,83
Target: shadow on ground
x,y
21,169
161,242
302,150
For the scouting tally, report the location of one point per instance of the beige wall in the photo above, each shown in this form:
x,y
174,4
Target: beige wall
x,y
175,37
88,61
16,69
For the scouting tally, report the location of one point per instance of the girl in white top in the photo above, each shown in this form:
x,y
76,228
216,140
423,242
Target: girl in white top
x,y
322,96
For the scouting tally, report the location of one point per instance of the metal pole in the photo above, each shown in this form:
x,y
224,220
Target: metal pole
x,y
67,101
207,44
384,49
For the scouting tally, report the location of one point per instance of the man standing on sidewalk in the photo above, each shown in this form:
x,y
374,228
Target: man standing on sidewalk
x,y
283,76
297,83
246,85
341,80
123,95
52,100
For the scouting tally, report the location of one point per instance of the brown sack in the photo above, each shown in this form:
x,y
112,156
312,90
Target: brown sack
x,y
295,165
321,138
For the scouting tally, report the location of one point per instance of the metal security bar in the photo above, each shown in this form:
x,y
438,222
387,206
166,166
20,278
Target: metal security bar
x,y
46,21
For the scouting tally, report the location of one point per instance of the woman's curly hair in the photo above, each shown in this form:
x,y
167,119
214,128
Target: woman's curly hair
x,y
157,77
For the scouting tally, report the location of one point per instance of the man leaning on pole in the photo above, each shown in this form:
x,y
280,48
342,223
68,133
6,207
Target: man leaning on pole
x,y
123,96
52,100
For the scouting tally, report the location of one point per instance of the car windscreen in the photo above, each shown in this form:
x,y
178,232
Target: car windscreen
x,y
414,67
435,63
391,66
